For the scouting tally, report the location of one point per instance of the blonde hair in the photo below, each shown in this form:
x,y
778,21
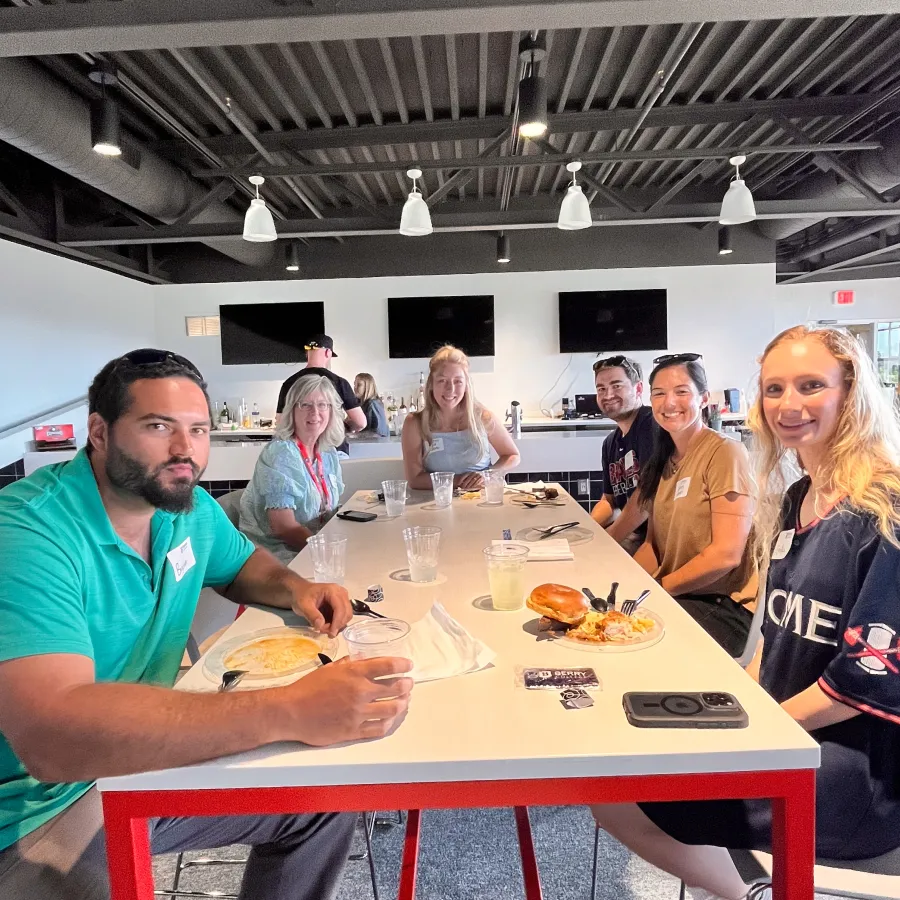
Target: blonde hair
x,y
300,390
863,464
367,383
473,412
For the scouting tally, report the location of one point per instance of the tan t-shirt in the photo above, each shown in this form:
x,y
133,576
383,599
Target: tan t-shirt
x,y
682,517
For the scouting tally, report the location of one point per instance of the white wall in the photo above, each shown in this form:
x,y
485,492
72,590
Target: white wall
x,y
876,298
725,312
61,321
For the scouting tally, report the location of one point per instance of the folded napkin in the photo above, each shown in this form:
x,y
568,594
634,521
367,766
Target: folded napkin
x,y
550,548
441,648
528,486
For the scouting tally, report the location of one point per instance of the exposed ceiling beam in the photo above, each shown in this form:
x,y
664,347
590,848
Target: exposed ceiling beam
x,y
591,120
888,247
155,24
465,174
551,157
472,221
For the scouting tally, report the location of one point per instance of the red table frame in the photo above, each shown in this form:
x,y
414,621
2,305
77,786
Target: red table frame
x,y
792,793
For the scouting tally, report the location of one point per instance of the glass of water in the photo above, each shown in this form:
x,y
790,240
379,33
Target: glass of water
x,y
329,557
377,637
494,485
442,482
506,574
423,544
394,497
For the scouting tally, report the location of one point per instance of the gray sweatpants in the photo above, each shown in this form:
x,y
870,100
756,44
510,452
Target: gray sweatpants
x,y
300,857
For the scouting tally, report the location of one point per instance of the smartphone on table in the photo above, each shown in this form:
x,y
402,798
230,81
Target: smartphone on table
x,y
668,709
357,515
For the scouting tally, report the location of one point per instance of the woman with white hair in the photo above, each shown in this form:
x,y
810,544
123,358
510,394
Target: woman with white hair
x,y
297,483
453,433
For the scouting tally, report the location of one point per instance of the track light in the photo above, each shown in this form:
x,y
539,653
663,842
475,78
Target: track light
x,y
503,248
737,204
532,110
415,220
725,241
575,211
106,127
259,226
293,257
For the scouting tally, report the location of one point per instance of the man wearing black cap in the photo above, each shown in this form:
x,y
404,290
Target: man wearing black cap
x,y
319,351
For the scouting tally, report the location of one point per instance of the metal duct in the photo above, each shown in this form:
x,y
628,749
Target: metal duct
x,y
48,120
878,168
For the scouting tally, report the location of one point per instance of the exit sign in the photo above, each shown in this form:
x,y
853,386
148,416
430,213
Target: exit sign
x,y
843,298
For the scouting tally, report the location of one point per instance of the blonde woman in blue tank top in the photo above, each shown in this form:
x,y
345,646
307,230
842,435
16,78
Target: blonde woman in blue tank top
x,y
453,433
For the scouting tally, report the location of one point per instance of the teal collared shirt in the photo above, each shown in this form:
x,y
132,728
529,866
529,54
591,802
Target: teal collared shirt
x,y
69,584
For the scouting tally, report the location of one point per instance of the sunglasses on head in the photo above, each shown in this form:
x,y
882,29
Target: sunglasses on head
x,y
677,358
611,362
151,357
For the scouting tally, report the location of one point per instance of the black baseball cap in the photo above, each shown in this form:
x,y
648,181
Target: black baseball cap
x,y
322,341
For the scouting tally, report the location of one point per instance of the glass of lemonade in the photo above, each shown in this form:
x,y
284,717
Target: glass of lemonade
x,y
506,574
494,485
394,497
442,482
423,544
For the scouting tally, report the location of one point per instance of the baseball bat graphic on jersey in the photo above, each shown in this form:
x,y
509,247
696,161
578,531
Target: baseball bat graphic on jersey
x,y
853,636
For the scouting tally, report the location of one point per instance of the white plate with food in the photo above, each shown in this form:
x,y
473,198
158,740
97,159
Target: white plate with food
x,y
270,654
570,620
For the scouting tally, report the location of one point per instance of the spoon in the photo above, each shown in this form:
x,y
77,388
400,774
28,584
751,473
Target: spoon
x,y
596,602
230,679
361,608
611,597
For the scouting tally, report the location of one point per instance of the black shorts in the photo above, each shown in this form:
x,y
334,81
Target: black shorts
x,y
854,818
724,620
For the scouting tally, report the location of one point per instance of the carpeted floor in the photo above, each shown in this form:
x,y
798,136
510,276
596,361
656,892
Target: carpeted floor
x,y
473,855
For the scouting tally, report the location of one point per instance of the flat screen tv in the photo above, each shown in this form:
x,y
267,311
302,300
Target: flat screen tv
x,y
268,332
600,321
417,326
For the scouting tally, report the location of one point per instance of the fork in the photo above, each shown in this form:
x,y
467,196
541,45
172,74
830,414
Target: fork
x,y
629,606
554,529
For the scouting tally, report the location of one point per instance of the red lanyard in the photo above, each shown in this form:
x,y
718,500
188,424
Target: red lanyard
x,y
318,478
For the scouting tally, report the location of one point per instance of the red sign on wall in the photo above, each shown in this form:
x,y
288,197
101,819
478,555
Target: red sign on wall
x,y
843,298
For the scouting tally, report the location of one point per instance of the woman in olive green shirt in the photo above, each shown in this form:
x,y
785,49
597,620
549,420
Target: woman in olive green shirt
x,y
698,487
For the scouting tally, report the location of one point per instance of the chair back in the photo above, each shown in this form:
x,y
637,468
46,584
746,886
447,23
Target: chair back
x,y
231,503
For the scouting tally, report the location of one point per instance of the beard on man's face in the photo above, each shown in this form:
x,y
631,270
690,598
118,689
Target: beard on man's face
x,y
130,474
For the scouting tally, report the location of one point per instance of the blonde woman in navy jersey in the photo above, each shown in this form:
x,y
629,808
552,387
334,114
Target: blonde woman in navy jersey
x,y
830,653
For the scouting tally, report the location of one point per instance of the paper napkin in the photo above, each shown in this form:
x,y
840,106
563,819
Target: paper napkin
x,y
549,549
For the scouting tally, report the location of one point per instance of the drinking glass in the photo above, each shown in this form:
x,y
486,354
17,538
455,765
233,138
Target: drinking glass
x,y
394,497
494,485
423,543
506,574
442,482
377,637
329,557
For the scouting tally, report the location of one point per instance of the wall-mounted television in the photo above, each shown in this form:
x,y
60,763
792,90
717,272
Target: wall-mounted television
x,y
599,321
417,326
268,332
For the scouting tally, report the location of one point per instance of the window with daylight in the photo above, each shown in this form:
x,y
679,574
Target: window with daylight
x,y
887,351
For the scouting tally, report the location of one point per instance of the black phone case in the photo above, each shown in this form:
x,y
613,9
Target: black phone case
x,y
357,515
666,709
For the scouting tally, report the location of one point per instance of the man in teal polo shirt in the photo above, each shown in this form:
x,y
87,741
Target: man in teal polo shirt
x,y
101,563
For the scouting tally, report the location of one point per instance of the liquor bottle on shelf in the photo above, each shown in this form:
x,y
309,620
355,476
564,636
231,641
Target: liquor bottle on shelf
x,y
245,414
402,413
224,415
420,400
254,416
391,413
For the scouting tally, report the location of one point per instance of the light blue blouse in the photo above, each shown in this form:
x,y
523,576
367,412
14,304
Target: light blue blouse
x,y
282,481
455,451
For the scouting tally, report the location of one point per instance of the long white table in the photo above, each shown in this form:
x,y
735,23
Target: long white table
x,y
478,740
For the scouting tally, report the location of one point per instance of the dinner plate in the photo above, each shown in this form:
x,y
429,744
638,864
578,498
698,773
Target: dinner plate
x,y
249,652
654,636
577,535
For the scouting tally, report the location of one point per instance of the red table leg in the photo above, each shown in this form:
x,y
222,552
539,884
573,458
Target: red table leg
x,y
794,838
127,851
410,862
530,874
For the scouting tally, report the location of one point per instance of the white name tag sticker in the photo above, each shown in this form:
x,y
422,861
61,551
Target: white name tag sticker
x,y
681,487
437,444
783,544
629,460
182,559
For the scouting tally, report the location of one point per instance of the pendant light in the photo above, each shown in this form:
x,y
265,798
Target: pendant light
x,y
737,204
503,248
259,225
725,240
532,107
415,220
575,211
293,257
106,126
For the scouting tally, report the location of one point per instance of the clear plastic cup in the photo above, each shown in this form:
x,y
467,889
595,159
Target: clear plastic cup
x,y
442,482
506,574
329,557
494,485
377,637
394,497
423,544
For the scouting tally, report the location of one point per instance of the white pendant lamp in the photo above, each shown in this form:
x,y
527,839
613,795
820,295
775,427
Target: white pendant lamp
x,y
416,219
259,225
575,211
737,204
